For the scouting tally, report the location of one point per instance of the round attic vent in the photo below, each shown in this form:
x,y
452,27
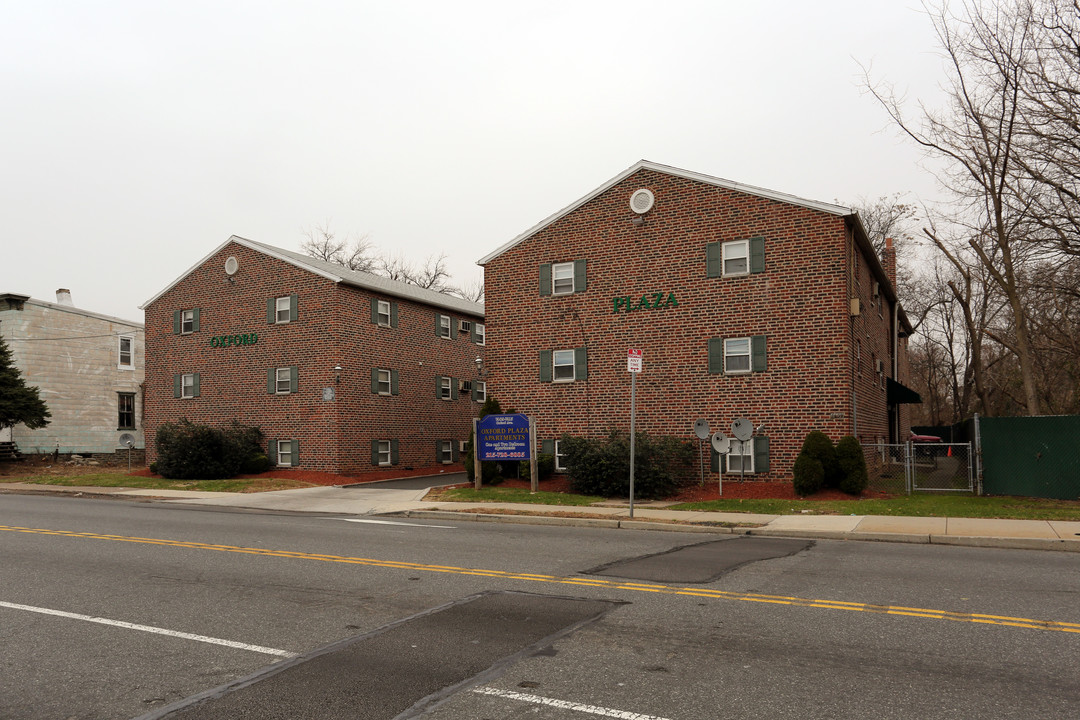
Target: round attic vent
x,y
641,201
231,266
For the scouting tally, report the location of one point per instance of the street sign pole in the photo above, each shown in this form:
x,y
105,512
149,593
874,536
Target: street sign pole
x,y
633,387
477,475
534,479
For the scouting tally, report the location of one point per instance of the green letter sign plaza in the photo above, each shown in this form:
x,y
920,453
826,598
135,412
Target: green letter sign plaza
x,y
648,301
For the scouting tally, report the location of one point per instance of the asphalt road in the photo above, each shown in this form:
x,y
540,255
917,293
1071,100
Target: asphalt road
x,y
184,612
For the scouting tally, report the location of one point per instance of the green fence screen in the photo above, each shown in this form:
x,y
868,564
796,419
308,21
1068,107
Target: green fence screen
x,y
1031,456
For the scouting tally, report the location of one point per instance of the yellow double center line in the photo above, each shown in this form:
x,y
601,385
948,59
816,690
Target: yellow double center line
x,y
584,582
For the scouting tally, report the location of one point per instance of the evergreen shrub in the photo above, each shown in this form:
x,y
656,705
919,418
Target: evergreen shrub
x,y
602,466
818,446
809,475
192,451
852,461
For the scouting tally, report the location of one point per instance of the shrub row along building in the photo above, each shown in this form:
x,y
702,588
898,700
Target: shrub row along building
x,y
744,302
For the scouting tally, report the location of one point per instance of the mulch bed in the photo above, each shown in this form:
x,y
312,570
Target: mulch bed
x,y
316,477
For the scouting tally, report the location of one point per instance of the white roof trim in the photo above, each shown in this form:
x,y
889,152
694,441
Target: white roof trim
x,y
667,169
337,274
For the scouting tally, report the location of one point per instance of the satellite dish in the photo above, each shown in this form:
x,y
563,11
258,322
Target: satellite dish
x,y
127,440
742,429
721,443
701,428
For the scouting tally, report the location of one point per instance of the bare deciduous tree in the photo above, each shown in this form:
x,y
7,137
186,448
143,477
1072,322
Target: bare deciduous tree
x,y
353,253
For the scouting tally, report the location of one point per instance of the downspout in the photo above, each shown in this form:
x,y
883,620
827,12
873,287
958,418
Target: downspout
x,y
852,259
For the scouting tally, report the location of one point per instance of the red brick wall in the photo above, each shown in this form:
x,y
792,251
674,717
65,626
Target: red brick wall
x,y
801,302
333,327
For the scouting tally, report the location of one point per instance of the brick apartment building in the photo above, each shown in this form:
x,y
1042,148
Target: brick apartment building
x,y
341,370
745,302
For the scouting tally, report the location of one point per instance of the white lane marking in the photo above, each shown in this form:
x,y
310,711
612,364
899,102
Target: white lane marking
x,y
150,629
566,705
392,522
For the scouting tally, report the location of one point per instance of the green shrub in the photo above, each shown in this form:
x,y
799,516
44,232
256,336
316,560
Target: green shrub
x,y
153,467
602,466
818,446
255,464
852,462
809,475
190,451
545,467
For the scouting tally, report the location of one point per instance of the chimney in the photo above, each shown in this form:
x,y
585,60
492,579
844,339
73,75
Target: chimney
x,y
888,261
63,297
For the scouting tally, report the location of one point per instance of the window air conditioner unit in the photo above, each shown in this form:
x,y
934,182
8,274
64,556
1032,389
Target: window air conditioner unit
x,y
877,288
881,366
466,386
461,445
854,307
466,326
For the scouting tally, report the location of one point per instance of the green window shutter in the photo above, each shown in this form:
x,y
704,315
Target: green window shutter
x,y
454,452
195,320
177,385
453,327
393,382
374,311
581,363
438,451
712,259
757,254
716,356
761,454
271,381
177,322
438,325
453,389
374,380
271,311
393,452
393,314
438,387
293,312
545,366
547,447
714,460
294,378
757,353
271,451
374,452
295,452
579,276
195,388
545,279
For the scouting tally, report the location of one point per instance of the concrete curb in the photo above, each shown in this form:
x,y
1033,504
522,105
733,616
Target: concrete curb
x,y
1010,543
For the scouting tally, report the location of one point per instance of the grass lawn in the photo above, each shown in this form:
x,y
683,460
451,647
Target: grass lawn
x,y
110,479
920,505
510,495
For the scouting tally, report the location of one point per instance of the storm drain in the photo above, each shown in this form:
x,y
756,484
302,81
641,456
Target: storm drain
x,y
703,562
400,670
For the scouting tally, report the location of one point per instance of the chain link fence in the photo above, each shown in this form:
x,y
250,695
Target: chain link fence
x,y
920,467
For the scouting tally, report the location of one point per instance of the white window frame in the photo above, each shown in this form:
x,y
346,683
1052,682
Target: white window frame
x,y
444,327
728,354
382,454
555,365
735,250
278,380
481,334
383,310
481,390
742,450
562,272
278,309
446,451
187,322
120,400
380,373
286,452
187,386
559,466
446,391
130,364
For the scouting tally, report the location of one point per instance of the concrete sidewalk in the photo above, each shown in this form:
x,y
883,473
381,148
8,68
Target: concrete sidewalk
x,y
365,500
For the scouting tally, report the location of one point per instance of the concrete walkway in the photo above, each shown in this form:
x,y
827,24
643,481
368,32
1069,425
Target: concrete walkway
x,y
373,500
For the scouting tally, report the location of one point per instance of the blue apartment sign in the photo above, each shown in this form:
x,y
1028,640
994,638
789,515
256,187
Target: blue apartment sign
x,y
503,437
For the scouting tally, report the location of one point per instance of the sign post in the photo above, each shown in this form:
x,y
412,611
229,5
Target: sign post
x,y
633,366
477,476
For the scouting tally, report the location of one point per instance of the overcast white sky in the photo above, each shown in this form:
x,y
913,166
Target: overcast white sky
x,y
138,136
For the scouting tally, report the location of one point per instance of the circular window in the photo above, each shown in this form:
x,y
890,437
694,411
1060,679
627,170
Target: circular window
x,y
641,201
231,266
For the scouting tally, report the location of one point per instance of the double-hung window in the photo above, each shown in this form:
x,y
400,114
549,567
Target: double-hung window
x,y
480,333
562,278
446,388
382,382
281,306
446,451
560,459
186,322
125,406
740,457
283,380
383,455
442,326
281,310
562,366
382,312
284,453
189,385
479,392
736,257
737,355
126,360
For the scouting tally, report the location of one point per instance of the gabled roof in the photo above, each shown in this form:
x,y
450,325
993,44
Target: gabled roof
x,y
668,170
337,273
69,309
